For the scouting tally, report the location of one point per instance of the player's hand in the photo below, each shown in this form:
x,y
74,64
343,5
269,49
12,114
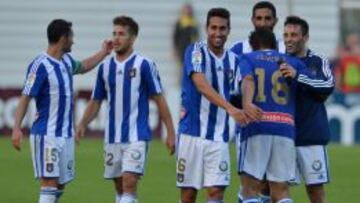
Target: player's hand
x,y
79,133
287,70
16,138
253,112
239,116
170,143
107,46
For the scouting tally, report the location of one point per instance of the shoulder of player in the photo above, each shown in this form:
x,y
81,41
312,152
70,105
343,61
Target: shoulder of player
x,y
315,55
38,65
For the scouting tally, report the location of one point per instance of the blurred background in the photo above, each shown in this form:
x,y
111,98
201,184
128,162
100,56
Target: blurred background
x,y
334,32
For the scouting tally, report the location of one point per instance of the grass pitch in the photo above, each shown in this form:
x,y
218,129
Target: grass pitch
x,y
17,184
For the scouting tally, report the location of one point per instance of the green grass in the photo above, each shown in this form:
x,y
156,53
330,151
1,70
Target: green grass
x,y
17,184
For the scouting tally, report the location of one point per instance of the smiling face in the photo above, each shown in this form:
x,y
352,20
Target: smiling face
x,y
295,40
217,31
264,18
122,39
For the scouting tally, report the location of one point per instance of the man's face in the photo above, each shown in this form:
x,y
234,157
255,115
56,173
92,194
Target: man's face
x,y
294,39
68,42
122,40
264,18
217,32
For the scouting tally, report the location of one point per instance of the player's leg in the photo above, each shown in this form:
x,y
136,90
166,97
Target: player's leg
x,y
133,164
254,160
216,170
265,192
281,168
45,156
66,164
113,166
118,188
313,166
188,195
316,193
189,167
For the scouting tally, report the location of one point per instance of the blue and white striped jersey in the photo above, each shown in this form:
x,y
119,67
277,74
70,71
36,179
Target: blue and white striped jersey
x,y
244,47
199,117
127,86
50,82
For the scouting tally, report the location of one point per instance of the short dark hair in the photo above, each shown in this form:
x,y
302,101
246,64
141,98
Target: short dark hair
x,y
127,21
218,12
58,28
262,38
264,4
295,20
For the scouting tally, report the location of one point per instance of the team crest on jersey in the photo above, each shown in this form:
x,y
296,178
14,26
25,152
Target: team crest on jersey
x,y
196,57
132,72
317,165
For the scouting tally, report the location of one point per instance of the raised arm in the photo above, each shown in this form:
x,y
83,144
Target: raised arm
x,y
91,62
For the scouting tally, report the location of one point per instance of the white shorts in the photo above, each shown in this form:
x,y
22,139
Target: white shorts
x,y
53,157
202,163
128,157
268,155
312,165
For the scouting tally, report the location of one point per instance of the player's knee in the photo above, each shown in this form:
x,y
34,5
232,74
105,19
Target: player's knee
x,y
188,195
215,193
316,193
279,191
129,182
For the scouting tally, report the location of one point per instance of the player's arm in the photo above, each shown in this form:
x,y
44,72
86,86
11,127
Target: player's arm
x,y
90,113
165,116
19,116
248,92
322,86
205,89
91,62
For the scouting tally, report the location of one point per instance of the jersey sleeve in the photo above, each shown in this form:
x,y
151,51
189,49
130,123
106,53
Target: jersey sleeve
x,y
99,91
75,65
35,79
320,81
237,79
150,76
245,67
236,48
194,59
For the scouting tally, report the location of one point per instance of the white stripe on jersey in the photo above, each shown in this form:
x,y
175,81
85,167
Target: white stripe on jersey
x,y
108,107
135,84
54,98
119,96
205,103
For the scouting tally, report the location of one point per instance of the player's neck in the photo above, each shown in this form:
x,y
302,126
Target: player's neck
x,y
302,53
217,51
123,56
55,52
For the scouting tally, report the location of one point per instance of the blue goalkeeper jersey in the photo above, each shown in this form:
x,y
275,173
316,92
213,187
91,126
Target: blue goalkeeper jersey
x,y
274,94
312,126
